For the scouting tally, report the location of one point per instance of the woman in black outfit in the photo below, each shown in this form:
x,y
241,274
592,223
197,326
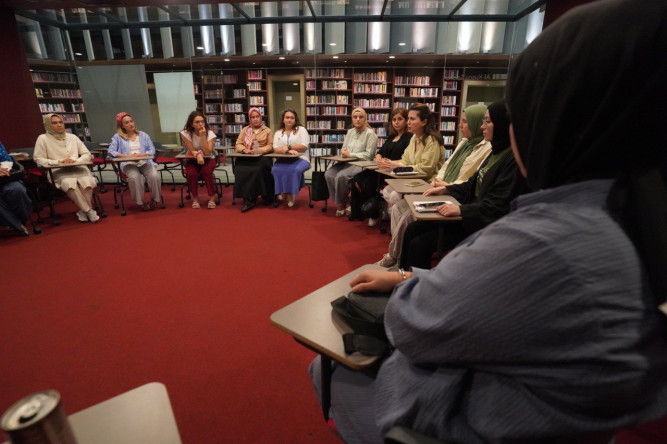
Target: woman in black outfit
x,y
484,198
398,138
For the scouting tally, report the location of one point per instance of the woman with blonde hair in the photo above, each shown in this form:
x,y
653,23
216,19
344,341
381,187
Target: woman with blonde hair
x,y
129,142
360,143
58,147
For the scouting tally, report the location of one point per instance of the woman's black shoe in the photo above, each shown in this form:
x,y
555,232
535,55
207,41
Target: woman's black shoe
x,y
247,205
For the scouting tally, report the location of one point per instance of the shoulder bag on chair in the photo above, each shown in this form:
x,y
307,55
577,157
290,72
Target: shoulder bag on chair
x,y
364,314
319,185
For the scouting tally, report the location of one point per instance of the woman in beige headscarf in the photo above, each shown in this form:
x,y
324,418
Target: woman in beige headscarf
x,y
58,147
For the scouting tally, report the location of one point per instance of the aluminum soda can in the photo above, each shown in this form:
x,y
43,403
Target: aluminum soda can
x,y
38,419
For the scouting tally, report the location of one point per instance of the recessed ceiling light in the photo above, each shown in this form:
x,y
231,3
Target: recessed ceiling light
x,y
401,44
392,57
226,60
332,44
295,84
281,58
200,48
265,44
335,57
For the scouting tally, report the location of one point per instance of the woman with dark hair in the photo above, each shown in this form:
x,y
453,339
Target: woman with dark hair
x,y
58,147
199,141
366,182
425,153
252,175
130,142
292,138
466,160
484,198
549,324
14,200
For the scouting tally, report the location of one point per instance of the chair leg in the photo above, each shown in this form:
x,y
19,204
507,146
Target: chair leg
x,y
181,204
101,184
54,216
122,202
98,205
310,197
115,197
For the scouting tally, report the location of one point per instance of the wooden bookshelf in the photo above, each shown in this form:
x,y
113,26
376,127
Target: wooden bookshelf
x,y
212,99
328,107
373,92
59,92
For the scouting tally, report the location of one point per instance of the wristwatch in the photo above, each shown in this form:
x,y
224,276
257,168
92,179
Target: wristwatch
x,y
289,147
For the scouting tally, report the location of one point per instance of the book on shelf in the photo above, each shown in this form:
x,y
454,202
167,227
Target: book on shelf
x,y
413,80
380,76
370,88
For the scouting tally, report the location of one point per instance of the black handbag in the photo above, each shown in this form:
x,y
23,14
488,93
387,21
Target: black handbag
x,y
364,314
373,207
319,186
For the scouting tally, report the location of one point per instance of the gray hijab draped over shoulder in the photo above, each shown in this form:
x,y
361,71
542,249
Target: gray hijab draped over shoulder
x,y
577,95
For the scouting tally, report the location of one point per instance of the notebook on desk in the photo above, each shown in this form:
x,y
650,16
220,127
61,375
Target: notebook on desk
x,y
429,206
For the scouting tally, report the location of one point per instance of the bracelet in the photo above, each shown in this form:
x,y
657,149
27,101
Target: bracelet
x,y
400,270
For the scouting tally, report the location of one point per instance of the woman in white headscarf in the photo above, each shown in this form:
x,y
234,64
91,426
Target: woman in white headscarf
x,y
58,147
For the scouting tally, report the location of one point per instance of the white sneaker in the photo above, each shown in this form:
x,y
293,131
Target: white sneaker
x,y
387,261
290,200
373,222
92,216
81,216
348,210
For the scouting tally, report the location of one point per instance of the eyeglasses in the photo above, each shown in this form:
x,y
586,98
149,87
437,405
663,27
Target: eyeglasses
x,y
486,122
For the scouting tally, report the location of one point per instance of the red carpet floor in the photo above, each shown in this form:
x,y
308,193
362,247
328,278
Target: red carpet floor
x,y
179,296
182,297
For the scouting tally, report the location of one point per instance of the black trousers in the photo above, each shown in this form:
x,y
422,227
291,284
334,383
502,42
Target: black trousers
x,y
421,241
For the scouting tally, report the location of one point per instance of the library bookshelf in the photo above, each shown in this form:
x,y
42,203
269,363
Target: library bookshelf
x,y
59,92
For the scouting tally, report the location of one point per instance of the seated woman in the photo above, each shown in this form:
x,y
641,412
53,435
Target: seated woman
x,y
360,143
291,138
252,175
460,166
130,142
199,141
545,326
398,138
484,198
14,200
425,153
58,147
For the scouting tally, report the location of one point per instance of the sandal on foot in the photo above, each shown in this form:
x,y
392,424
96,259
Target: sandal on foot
x,y
195,204
211,204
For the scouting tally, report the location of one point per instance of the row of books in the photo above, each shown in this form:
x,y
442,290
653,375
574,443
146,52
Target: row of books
x,y
379,88
417,92
325,72
255,74
449,125
378,117
372,103
413,80
51,77
255,86
328,100
370,76
256,100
